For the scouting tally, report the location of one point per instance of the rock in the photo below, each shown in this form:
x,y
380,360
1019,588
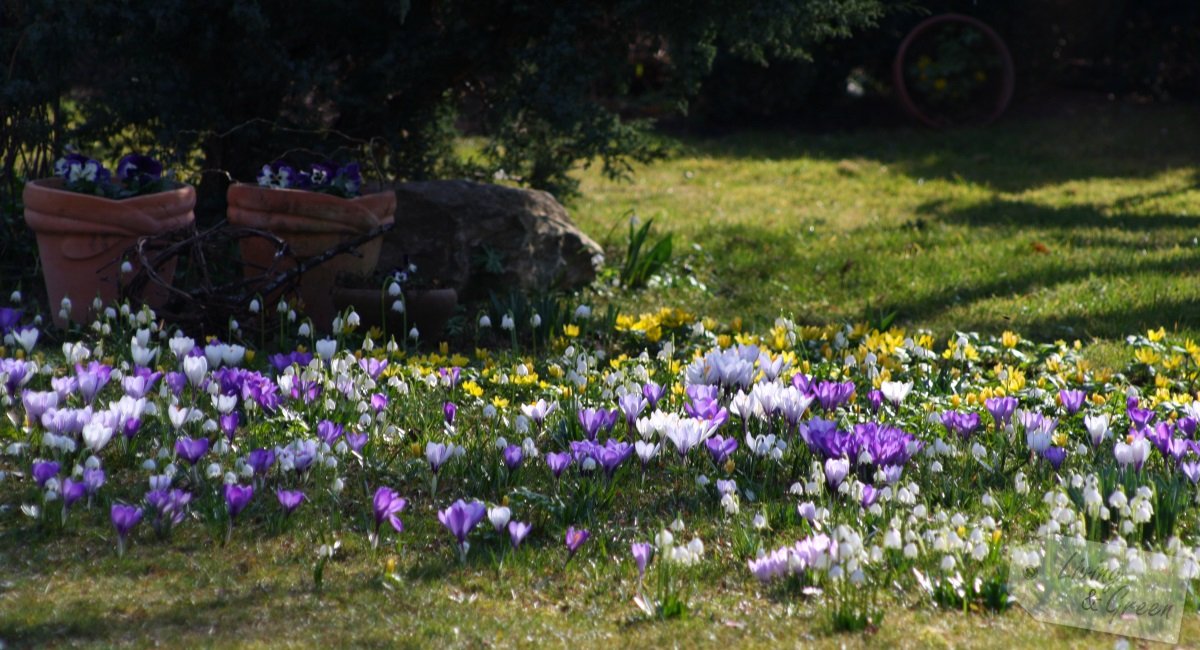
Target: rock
x,y
451,229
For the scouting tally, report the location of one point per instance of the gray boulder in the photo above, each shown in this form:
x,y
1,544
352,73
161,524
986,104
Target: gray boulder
x,y
475,237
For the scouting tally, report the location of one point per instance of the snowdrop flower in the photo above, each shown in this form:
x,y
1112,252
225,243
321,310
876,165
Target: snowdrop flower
x,y
506,323
398,306
485,322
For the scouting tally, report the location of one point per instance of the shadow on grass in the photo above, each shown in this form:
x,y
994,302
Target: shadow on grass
x,y
1012,156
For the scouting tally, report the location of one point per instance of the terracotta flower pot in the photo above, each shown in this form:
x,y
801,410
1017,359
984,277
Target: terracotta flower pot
x,y
81,238
427,310
311,223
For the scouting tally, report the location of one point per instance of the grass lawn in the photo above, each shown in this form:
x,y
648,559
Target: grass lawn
x,y
1081,225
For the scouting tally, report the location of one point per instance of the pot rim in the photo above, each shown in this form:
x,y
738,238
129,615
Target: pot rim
x,y
55,185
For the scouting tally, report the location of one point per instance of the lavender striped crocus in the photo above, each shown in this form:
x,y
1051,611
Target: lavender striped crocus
x,y
641,556
124,520
1001,409
558,462
289,500
720,448
1072,400
460,519
575,539
517,532
387,505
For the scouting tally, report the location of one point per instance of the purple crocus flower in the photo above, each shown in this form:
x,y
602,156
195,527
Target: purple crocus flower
x,y
1191,470
575,539
558,462
237,497
191,449
641,556
517,532
44,470
356,441
836,470
176,381
1072,400
260,460
72,491
632,405
513,455
16,373
1140,417
92,379
437,454
9,318
449,410
1001,409
869,496
329,432
875,400
170,507
1056,456
612,455
372,366
93,480
289,500
229,424
720,448
653,392
832,394
124,520
36,403
961,424
379,402
450,376
387,505
1187,425
138,384
592,420
460,519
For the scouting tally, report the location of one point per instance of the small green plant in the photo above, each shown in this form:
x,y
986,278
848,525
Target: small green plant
x,y
640,264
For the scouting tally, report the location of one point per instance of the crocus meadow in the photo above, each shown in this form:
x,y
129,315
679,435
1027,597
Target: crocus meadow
x,y
841,464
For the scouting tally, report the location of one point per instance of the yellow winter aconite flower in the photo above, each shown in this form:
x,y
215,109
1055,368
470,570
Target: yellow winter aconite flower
x,y
778,339
1172,362
459,360
736,324
556,371
473,389
809,333
724,341
499,402
746,339
1156,335
1010,339
925,340
859,330
571,330
1146,356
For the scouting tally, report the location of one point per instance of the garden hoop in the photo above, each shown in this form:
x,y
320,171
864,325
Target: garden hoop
x,y
1008,73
